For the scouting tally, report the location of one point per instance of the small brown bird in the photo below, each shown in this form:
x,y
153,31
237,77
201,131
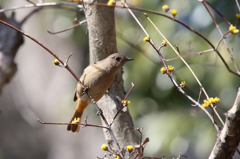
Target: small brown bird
x,y
98,77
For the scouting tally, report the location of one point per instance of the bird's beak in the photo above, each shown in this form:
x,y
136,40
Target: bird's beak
x,y
129,59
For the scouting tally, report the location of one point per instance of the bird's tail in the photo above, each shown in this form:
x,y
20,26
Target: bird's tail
x,y
76,118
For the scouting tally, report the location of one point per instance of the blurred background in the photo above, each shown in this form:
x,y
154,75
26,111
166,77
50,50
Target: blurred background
x,y
39,90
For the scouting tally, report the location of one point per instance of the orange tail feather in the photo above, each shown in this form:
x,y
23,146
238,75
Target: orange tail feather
x,y
72,127
77,114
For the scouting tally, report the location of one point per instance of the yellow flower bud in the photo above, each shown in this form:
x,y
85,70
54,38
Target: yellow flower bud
x,y
56,62
147,39
215,100
163,70
170,68
233,29
104,147
183,84
130,148
238,17
174,12
165,8
76,120
206,104
164,42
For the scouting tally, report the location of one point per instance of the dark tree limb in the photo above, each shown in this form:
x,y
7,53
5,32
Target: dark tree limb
x,y
10,41
229,137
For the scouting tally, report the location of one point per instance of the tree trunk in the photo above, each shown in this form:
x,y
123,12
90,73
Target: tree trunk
x,y
229,137
102,42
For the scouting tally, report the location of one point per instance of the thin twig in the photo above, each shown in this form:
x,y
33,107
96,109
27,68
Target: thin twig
x,y
196,53
84,125
129,10
221,39
220,32
31,2
140,142
136,156
216,11
67,58
52,4
128,92
122,106
199,96
29,15
74,26
237,5
138,48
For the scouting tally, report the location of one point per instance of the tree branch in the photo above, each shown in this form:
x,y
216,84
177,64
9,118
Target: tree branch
x,y
229,137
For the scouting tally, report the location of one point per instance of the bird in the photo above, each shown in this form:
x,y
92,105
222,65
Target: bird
x,y
97,77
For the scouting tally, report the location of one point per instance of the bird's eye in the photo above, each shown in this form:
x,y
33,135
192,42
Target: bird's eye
x,y
118,58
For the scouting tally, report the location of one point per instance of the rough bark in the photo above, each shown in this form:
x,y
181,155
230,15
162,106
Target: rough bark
x,y
10,41
229,137
102,41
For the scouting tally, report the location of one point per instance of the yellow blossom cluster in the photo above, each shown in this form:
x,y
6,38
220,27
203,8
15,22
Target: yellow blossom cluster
x,y
170,68
126,103
76,120
166,9
209,101
233,29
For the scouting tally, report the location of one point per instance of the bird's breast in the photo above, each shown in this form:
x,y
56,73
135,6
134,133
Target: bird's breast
x,y
97,80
